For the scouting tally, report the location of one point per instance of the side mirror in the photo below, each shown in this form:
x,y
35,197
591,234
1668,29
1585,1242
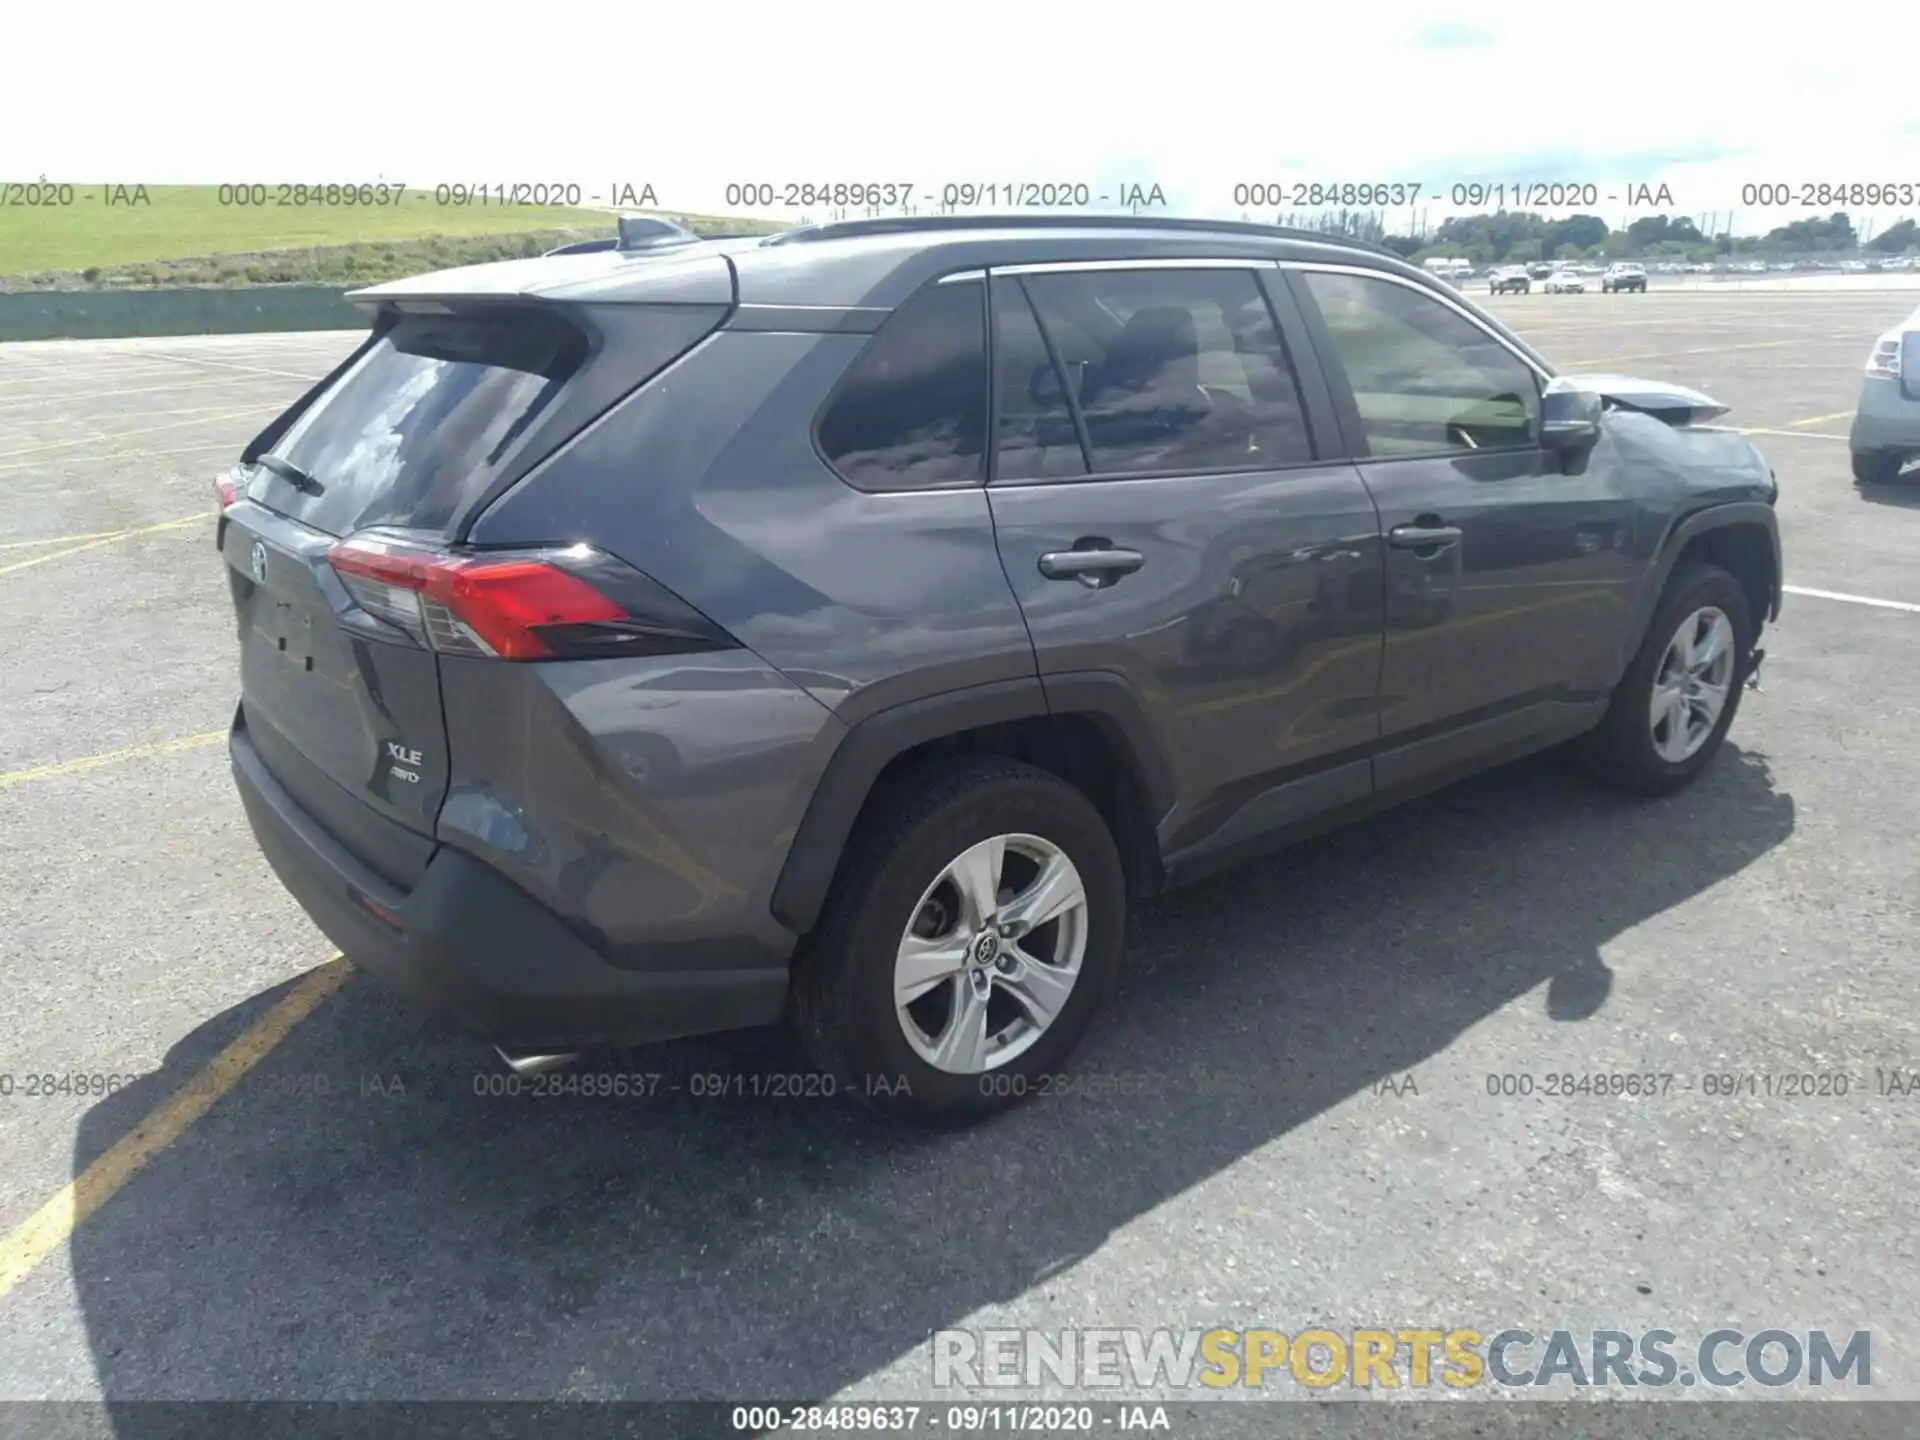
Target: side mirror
x,y
1569,416
1910,364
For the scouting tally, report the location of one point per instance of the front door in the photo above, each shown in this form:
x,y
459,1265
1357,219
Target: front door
x,y
1507,576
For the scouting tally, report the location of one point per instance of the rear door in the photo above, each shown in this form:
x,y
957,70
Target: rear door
x,y
1507,574
340,685
1164,515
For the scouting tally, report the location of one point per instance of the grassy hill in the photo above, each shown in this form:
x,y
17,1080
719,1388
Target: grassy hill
x,y
183,235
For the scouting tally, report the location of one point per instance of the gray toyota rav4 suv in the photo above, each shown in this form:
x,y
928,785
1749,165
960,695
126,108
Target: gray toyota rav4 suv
x,y
845,625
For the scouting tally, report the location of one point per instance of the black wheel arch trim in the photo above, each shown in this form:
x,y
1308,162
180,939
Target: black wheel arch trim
x,y
1731,513
870,745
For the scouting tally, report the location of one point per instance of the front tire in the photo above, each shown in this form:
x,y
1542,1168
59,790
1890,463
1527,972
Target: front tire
x,y
1671,711
1876,467
972,933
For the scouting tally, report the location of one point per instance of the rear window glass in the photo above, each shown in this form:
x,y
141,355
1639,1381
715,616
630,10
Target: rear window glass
x,y
912,412
423,422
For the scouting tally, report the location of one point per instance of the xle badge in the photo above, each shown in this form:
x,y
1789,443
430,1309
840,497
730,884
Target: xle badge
x,y
406,758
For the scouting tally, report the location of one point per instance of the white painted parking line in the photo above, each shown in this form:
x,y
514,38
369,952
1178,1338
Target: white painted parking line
x,y
1906,605
191,360
1667,354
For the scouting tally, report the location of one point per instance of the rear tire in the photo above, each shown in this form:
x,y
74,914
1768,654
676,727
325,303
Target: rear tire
x,y
1876,467
1632,749
896,890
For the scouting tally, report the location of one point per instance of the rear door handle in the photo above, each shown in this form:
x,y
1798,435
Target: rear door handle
x,y
1423,537
1094,566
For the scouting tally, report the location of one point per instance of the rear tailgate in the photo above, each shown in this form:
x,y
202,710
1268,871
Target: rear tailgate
x,y
445,406
349,724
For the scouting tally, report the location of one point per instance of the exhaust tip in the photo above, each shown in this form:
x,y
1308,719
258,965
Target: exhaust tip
x,y
534,1064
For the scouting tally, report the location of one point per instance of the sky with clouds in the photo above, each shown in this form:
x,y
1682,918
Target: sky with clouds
x,y
1703,98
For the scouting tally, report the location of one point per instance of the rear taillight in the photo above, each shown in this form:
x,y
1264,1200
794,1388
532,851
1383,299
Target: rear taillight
x,y
1885,359
226,490
574,603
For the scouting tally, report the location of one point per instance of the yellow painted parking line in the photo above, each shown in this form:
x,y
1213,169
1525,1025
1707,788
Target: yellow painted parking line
x,y
112,757
54,1222
142,430
60,539
1820,419
226,447
103,540
1790,434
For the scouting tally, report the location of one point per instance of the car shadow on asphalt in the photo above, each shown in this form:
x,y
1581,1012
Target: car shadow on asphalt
x,y
363,1218
1903,492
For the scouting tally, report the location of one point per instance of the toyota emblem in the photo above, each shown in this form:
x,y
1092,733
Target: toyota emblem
x,y
257,562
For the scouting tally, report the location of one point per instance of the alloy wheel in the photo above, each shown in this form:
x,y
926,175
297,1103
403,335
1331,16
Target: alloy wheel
x,y
990,957
1691,688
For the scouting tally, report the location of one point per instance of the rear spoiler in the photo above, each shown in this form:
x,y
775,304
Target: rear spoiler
x,y
672,266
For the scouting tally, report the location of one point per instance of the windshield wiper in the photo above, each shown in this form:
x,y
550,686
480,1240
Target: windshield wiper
x,y
291,473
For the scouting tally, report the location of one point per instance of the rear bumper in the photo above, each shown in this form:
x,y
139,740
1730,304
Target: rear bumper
x,y
1885,419
477,952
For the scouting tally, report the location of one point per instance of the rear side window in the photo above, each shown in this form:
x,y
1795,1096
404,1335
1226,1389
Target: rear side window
x,y
1174,370
1425,378
911,413
421,424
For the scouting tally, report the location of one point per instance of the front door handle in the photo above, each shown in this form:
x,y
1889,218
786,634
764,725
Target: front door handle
x,y
1431,538
1094,563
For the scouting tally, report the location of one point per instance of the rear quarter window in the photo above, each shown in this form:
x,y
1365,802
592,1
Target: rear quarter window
x,y
911,412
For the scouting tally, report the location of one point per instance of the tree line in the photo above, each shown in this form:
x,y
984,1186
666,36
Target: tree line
x,y
1520,236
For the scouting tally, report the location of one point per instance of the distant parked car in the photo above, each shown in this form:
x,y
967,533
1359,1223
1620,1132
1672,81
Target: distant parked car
x,y
1509,280
1886,423
1453,268
1540,270
1565,282
1624,277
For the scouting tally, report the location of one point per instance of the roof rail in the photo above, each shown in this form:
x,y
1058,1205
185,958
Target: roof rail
x,y
1057,220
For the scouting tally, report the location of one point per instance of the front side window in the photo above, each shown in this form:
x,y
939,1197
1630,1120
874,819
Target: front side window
x,y
1172,370
1425,378
912,412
